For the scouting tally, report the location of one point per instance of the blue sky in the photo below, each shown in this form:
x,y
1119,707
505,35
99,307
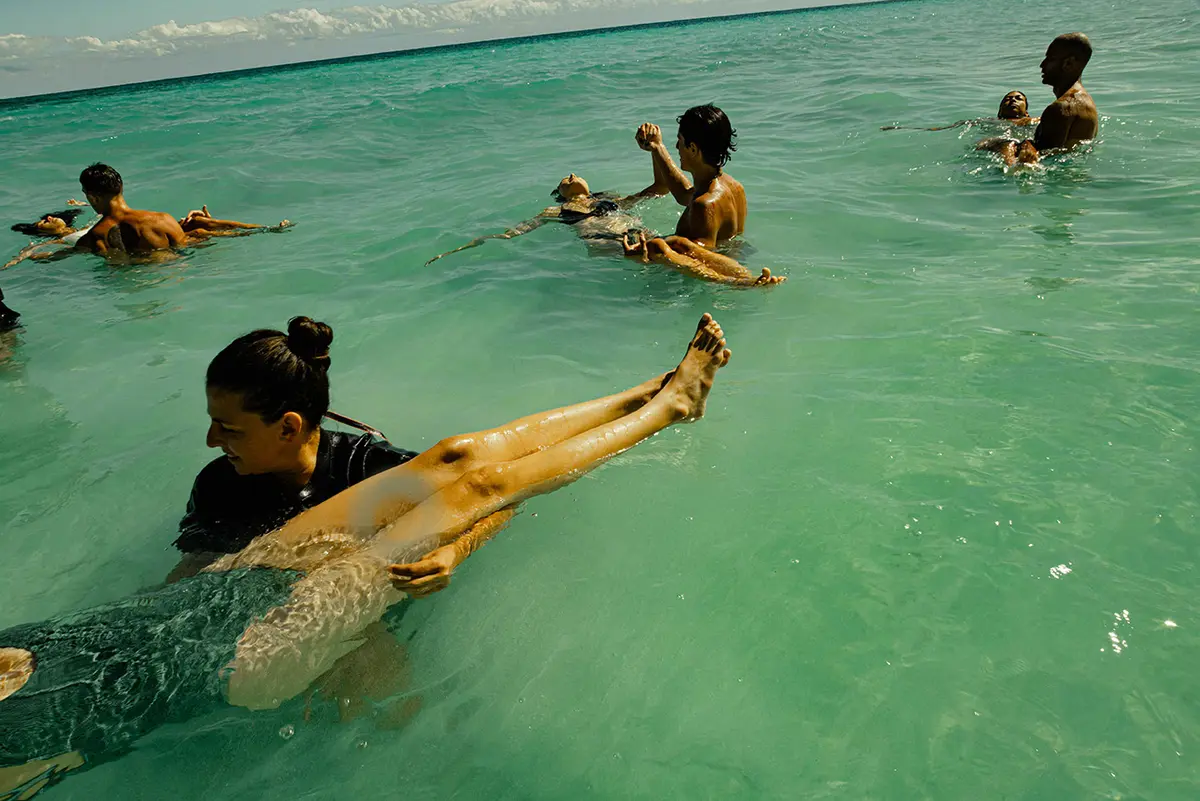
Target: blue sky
x,y
84,44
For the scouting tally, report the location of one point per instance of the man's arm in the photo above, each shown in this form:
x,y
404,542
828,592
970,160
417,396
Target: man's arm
x,y
523,228
666,175
1054,131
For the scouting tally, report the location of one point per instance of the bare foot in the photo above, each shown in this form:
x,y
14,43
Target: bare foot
x,y
16,666
766,279
693,378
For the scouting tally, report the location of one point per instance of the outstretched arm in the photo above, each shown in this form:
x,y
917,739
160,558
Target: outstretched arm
x,y
30,251
523,228
667,177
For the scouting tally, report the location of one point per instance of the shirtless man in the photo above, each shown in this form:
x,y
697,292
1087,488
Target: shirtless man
x,y
1072,118
714,203
122,228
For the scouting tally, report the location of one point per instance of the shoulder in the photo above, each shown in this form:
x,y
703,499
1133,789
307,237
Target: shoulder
x,y
214,481
360,456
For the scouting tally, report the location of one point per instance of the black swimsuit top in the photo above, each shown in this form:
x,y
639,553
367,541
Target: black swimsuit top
x,y
226,510
603,208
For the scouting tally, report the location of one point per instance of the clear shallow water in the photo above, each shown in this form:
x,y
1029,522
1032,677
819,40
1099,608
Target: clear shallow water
x,y
848,581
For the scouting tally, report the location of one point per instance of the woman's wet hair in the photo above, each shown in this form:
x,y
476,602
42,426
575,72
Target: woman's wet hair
x,y
101,180
31,229
276,373
708,128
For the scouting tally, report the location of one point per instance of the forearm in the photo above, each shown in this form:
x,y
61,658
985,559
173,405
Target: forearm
x,y
671,176
475,537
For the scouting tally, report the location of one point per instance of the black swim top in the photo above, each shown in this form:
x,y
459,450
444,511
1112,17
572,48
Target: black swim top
x,y
106,676
602,208
226,510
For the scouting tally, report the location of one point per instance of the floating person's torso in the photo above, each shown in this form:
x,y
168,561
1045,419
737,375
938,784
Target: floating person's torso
x,y
108,675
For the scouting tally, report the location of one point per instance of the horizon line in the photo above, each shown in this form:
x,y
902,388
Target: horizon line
x,y
410,51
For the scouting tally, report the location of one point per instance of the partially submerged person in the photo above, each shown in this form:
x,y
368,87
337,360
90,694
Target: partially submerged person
x,y
268,393
593,215
1071,119
55,224
124,230
9,318
714,203
1014,110
255,629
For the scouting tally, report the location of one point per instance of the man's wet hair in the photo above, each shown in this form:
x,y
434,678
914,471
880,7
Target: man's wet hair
x,y
101,180
708,128
1077,44
30,229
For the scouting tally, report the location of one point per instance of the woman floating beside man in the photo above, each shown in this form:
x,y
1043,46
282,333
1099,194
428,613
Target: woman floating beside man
x,y
714,204
255,628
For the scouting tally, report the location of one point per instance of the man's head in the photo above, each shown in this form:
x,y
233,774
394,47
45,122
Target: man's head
x,y
570,188
705,138
101,183
1065,59
1014,106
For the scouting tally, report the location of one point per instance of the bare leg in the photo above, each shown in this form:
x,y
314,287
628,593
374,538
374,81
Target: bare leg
x,y
372,504
700,262
490,487
279,656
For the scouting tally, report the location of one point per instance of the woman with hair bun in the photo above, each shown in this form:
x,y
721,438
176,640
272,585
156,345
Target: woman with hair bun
x,y
267,394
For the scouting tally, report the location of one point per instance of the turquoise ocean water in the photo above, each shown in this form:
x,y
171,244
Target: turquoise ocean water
x,y
926,544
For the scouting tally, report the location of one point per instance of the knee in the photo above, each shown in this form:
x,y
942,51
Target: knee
x,y
681,244
455,450
657,246
485,481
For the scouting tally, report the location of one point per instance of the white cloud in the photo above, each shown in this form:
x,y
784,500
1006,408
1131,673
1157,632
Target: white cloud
x,y
309,24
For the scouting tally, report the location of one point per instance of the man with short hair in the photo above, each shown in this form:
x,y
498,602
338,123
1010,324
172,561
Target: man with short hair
x,y
122,228
1072,118
714,203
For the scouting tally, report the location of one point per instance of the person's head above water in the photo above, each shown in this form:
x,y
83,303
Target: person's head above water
x,y
1014,106
1065,59
267,392
101,184
56,224
570,188
705,137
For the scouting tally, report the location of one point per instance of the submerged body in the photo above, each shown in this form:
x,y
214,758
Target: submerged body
x,y
258,627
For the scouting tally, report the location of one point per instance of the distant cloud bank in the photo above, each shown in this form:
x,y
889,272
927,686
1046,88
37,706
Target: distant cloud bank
x,y
41,64
307,24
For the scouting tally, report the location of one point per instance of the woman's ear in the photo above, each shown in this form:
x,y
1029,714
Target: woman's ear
x,y
291,426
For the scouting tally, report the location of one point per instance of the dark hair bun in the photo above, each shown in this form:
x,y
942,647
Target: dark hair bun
x,y
310,340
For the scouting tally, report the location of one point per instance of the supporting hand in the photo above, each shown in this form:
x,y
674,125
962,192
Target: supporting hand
x,y
427,575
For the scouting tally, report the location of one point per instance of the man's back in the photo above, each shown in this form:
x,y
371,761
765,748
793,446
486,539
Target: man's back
x,y
134,231
714,214
1069,120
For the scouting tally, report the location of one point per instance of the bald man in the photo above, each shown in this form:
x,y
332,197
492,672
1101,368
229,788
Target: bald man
x,y
1072,118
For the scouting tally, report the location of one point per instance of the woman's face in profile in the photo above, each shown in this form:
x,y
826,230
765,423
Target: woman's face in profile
x,y
55,226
